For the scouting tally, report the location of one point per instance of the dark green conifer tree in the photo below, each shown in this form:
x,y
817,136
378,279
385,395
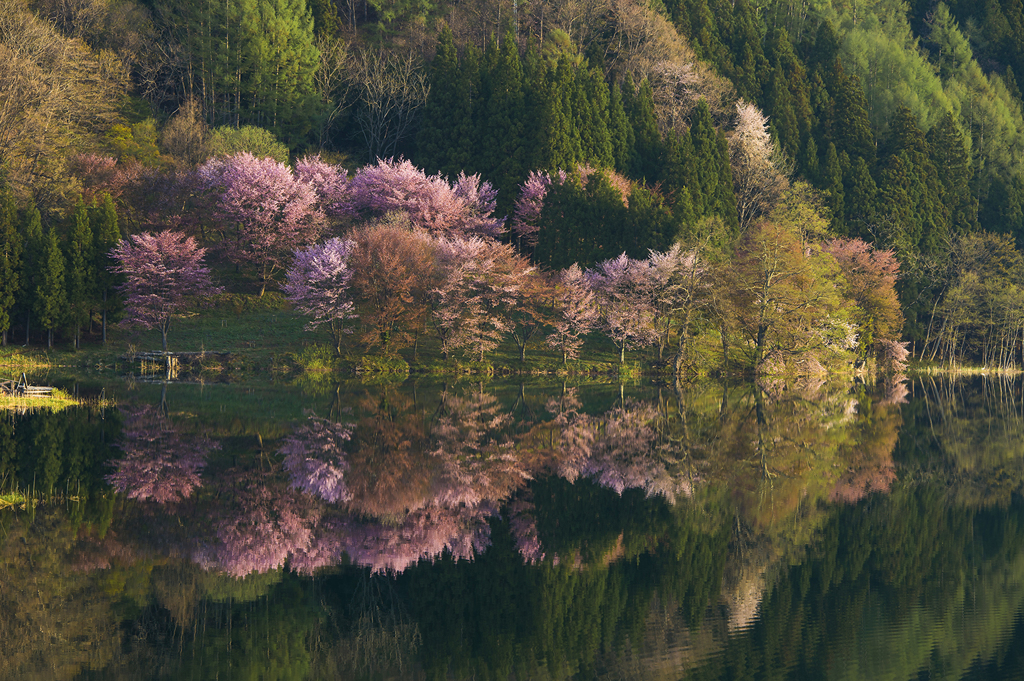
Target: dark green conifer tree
x,y
646,161
447,109
948,151
648,224
595,136
106,235
33,241
10,257
503,153
860,200
51,300
833,181
620,130
80,275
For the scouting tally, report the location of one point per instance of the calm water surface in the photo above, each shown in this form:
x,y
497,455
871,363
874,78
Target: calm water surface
x,y
516,531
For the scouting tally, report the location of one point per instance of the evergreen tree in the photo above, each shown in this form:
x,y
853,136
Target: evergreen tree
x,y
595,135
948,150
620,130
646,162
833,180
852,129
51,300
34,243
10,257
860,199
106,235
503,153
79,274
447,120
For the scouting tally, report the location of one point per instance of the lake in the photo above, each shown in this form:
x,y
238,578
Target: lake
x,y
516,530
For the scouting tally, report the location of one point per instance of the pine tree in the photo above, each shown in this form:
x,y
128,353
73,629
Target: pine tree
x,y
852,128
860,199
10,257
595,136
706,161
502,148
949,155
51,299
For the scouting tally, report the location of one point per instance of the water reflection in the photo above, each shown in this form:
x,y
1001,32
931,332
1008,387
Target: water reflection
x,y
810,531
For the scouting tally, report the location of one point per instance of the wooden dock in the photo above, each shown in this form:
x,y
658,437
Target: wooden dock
x,y
22,388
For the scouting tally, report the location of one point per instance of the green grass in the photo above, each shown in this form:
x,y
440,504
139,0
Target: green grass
x,y
55,401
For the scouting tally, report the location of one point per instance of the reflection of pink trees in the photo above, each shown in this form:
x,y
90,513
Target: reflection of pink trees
x,y
260,528
479,462
159,464
576,434
314,456
627,456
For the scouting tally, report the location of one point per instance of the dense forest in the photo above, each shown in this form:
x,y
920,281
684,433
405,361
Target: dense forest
x,y
796,149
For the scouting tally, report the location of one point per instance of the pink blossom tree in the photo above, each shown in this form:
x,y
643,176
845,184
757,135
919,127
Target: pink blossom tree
x,y
164,275
315,457
330,182
484,281
265,211
625,295
576,312
318,285
159,463
431,203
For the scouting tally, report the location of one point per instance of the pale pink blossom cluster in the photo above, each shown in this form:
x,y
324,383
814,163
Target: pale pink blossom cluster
x,y
430,201
159,463
314,456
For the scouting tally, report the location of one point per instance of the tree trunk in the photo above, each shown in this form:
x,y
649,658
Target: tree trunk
x,y
28,318
622,354
49,338
522,353
104,316
163,333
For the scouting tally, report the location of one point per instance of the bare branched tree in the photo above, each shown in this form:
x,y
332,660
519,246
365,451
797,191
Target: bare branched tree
x,y
331,83
391,89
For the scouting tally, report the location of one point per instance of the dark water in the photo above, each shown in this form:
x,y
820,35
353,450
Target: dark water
x,y
526,531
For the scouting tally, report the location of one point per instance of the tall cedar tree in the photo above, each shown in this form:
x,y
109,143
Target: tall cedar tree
x,y
79,275
10,258
106,235
447,120
33,241
51,300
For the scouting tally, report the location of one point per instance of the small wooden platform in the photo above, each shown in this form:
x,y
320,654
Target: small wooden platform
x,y
22,388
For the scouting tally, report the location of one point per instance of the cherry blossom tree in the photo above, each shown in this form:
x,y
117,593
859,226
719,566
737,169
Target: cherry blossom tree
x,y
164,276
525,221
759,168
870,281
265,211
577,313
318,285
314,455
625,294
483,282
431,203
159,463
330,182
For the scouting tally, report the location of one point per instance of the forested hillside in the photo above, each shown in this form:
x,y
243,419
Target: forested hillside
x,y
837,133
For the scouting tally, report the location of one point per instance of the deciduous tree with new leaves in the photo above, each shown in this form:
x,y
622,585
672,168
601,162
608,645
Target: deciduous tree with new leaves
x,y
759,168
394,268
318,285
265,212
164,276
